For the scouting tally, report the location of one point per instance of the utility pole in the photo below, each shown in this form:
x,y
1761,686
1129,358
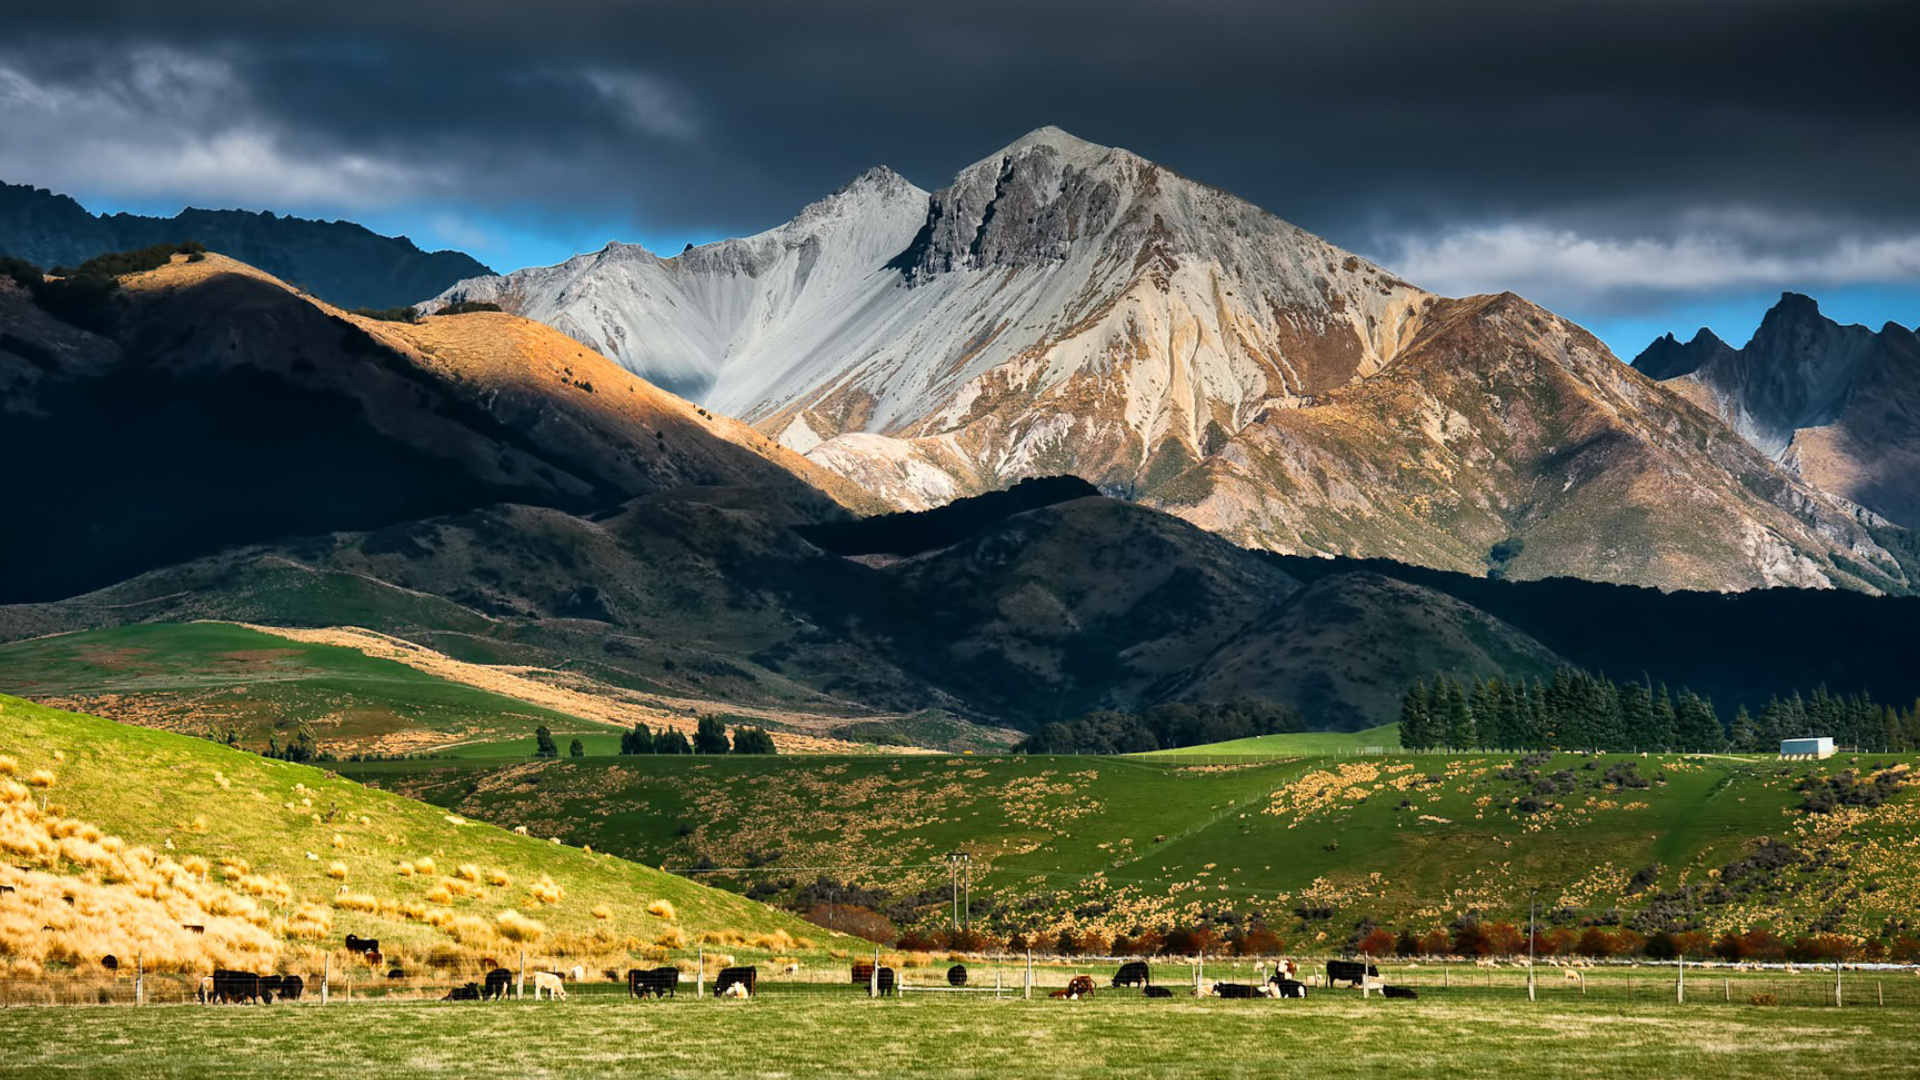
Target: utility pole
x,y
1533,904
959,863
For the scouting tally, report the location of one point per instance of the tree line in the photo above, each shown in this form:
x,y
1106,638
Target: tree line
x,y
1162,727
709,737
1576,710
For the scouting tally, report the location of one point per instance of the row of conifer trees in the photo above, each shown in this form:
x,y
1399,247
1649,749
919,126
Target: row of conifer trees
x,y
1576,710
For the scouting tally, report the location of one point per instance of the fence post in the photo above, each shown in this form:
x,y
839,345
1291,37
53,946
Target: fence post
x,y
1726,987
873,975
1836,983
520,982
1029,984
139,981
326,977
700,976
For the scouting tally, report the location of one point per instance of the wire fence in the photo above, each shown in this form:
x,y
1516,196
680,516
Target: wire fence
x,y
1018,976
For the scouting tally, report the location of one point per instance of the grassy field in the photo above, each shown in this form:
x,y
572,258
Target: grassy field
x,y
208,678
1314,845
1328,1036
147,830
1295,744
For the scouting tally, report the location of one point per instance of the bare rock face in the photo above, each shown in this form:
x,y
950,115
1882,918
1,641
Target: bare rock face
x,y
1065,307
1837,406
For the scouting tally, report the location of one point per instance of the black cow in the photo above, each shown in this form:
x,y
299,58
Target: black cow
x,y
291,987
497,982
862,973
957,975
1134,973
888,982
740,976
362,945
1235,990
270,986
110,962
1289,988
656,983
397,973
1350,972
1398,992
469,992
237,987
1158,992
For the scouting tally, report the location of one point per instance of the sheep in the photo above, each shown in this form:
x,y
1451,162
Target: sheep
x,y
1573,976
579,973
737,990
790,969
550,982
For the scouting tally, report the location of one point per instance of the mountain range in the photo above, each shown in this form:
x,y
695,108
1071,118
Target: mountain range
x,y
344,263
1064,307
1837,406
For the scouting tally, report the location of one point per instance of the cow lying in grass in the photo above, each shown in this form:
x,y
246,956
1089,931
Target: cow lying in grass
x,y
1158,992
1080,986
469,992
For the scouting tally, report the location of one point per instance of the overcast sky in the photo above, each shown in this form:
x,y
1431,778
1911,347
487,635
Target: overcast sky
x,y
1636,165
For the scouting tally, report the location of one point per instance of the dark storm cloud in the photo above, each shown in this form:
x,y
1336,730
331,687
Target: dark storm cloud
x,y
1447,136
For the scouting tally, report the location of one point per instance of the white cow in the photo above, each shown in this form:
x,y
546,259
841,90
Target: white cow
x,y
579,973
550,982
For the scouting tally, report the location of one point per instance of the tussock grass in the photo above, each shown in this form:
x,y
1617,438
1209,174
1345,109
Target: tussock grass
x,y
159,831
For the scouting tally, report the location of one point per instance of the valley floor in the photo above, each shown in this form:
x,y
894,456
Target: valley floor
x,y
1328,1036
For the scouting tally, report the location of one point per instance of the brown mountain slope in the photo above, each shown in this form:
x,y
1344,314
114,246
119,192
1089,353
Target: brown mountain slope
x,y
223,407
1506,438
1838,406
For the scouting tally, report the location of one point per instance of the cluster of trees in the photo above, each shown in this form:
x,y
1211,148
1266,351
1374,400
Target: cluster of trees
x,y
1162,727
709,737
1576,710
83,296
465,306
398,314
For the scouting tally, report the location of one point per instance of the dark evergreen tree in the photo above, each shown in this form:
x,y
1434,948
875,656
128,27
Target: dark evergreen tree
x,y
637,741
576,749
668,741
710,737
752,740
1416,729
543,744
1697,729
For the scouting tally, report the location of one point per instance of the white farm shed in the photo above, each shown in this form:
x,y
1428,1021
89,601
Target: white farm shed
x,y
1817,747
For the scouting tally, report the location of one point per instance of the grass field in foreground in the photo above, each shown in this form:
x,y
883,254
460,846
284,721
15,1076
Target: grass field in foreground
x,y
206,678
925,1038
1298,743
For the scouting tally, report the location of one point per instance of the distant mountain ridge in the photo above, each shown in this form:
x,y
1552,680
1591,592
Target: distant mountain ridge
x,y
341,262
1838,406
1063,307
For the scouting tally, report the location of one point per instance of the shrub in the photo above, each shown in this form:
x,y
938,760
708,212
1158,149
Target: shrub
x,y
498,878
545,890
662,909
468,872
602,911
1763,999
356,902
517,927
337,870
401,314
672,938
464,307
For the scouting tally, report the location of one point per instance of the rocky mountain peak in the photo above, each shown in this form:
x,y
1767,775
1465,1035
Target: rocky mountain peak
x,y
1668,358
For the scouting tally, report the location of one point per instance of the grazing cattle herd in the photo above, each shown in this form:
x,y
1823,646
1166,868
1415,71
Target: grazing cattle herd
x,y
242,987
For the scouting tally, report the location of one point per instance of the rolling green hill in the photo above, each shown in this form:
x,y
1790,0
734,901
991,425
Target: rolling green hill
x,y
147,830
1312,848
1291,744
211,678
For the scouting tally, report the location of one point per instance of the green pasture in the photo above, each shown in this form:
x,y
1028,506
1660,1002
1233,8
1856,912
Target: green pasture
x,y
208,678
1292,744
1332,1035
1407,840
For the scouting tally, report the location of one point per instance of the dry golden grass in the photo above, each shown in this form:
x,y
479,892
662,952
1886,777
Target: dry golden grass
x,y
517,927
662,909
